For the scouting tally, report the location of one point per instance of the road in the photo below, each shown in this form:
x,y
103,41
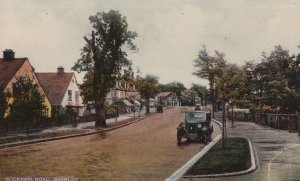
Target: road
x,y
146,150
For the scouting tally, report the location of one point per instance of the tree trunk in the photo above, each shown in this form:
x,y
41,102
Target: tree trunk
x,y
100,116
147,106
223,126
212,96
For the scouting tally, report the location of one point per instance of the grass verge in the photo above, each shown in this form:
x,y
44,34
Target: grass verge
x,y
40,136
236,157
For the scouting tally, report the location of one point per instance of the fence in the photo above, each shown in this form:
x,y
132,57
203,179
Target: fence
x,y
240,116
280,121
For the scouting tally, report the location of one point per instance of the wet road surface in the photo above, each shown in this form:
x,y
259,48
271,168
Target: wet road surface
x,y
146,150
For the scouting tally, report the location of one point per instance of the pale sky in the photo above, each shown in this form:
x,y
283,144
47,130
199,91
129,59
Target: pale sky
x,y
50,32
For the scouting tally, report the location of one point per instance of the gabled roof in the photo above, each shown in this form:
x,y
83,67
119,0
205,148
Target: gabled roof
x,y
8,70
55,85
165,94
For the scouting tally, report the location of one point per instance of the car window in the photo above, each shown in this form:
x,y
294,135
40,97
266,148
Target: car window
x,y
195,115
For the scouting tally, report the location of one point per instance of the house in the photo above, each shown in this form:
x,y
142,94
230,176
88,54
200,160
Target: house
x,y
167,99
125,92
12,68
62,90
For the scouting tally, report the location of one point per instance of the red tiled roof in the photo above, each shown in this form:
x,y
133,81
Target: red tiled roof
x,y
8,70
55,85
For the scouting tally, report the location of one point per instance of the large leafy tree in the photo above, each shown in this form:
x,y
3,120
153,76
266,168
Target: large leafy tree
x,y
103,58
274,80
148,88
208,67
28,103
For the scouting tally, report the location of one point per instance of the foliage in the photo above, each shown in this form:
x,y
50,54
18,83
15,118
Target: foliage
x,y
175,86
201,92
103,58
273,84
4,96
208,67
148,88
28,103
229,82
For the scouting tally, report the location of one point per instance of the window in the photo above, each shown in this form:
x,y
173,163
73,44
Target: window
x,y
46,112
69,95
77,96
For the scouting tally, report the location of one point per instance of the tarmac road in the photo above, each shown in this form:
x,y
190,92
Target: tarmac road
x,y
146,150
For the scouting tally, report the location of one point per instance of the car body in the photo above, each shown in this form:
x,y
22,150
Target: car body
x,y
196,127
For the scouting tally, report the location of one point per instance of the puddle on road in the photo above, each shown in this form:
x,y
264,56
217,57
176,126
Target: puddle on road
x,y
271,148
270,142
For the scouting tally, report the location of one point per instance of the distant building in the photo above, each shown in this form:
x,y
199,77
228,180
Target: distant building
x,y
62,90
12,68
125,92
167,99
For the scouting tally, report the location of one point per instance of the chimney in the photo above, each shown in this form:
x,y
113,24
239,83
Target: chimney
x,y
8,55
132,75
60,69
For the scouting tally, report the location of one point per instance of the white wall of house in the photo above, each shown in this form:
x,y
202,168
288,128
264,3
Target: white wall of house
x,y
72,96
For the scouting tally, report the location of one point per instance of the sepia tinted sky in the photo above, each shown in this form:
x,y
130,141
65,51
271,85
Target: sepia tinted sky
x,y
50,33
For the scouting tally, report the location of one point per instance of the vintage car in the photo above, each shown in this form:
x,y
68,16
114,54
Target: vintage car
x,y
159,108
196,127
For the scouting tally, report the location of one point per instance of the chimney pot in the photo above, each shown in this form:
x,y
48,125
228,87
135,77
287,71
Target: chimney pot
x,y
60,69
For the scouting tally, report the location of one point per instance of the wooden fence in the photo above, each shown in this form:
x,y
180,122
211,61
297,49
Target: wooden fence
x,y
280,121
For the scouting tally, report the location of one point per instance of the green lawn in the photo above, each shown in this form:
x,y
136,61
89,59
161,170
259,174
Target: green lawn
x,y
236,157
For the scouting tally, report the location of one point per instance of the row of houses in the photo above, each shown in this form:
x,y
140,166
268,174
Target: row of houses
x,y
60,89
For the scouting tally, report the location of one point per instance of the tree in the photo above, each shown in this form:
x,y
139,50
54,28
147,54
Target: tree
x,y
276,79
207,67
148,88
28,103
201,92
175,87
4,96
227,84
103,58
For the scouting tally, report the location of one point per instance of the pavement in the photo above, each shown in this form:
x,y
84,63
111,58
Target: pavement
x,y
277,153
80,126
122,117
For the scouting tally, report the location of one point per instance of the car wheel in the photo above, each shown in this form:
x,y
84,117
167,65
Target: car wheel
x,y
178,139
